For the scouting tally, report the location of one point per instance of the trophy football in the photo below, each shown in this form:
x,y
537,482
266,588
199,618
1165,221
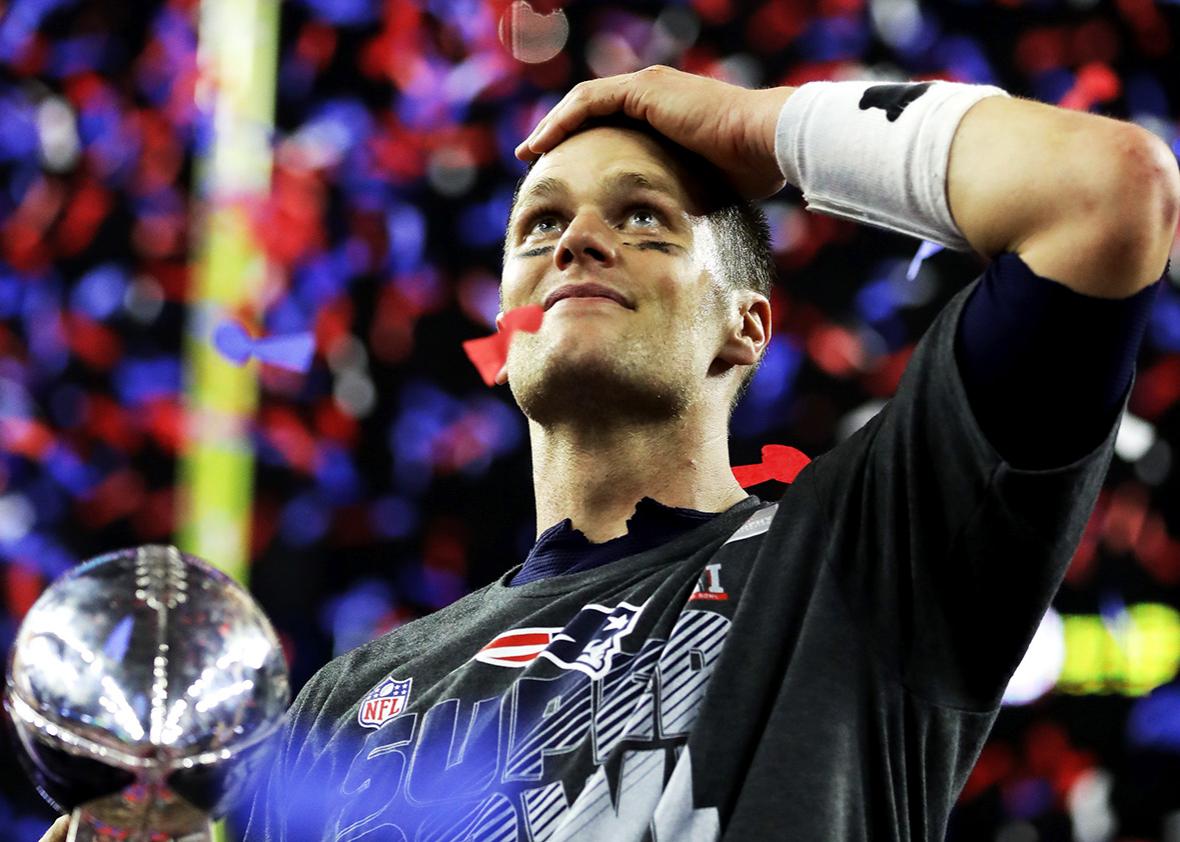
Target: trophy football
x,y
144,687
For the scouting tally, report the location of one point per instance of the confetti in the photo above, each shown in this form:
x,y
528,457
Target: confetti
x,y
927,249
779,462
488,354
293,352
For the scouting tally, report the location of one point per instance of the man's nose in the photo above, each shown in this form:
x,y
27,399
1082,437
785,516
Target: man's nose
x,y
586,239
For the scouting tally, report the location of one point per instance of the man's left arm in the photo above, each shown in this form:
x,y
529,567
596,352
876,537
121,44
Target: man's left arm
x,y
1085,200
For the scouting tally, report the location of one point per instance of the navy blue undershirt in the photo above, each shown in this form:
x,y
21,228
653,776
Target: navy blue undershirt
x,y
1045,368
562,549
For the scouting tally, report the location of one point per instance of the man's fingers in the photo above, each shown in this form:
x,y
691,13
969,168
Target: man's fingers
x,y
58,830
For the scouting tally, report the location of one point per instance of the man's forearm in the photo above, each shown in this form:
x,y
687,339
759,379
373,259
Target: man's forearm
x,y
1085,200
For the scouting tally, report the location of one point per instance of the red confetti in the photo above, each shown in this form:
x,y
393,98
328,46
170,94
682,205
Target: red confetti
x,y
108,422
94,344
162,420
1041,49
489,353
1095,83
333,423
155,519
264,519
119,495
286,433
316,44
778,462
775,25
996,762
90,206
23,586
26,437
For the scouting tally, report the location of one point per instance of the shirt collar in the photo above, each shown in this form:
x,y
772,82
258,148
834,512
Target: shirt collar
x,y
651,518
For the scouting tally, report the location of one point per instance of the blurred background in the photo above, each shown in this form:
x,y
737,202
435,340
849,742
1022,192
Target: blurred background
x,y
321,186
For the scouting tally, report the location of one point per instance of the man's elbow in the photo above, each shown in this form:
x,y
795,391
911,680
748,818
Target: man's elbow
x,y
1144,204
1111,229
1150,173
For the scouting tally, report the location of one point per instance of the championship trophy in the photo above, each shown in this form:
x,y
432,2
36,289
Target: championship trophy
x,y
144,687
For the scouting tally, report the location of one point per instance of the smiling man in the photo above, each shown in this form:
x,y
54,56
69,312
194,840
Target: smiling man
x,y
651,326
676,659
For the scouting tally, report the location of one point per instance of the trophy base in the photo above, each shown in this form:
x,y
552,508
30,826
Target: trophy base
x,y
140,813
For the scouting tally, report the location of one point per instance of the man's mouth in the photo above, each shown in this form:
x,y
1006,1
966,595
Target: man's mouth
x,y
588,299
586,291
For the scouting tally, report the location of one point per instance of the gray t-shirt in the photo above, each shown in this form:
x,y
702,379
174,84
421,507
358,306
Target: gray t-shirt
x,y
827,667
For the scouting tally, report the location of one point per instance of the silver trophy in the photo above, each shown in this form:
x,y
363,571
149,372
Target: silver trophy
x,y
144,686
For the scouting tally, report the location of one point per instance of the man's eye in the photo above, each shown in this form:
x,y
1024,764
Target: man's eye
x,y
540,222
643,217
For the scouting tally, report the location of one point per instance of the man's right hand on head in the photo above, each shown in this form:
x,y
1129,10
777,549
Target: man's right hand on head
x,y
58,830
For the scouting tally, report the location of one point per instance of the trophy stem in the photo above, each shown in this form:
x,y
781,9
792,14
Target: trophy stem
x,y
84,829
140,814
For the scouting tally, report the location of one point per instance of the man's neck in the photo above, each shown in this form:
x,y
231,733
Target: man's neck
x,y
596,478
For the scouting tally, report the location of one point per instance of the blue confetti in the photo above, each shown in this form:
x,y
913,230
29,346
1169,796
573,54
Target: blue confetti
x,y
293,352
406,228
1154,720
352,617
770,390
1145,95
878,300
1164,326
925,250
393,517
69,471
482,224
337,475
143,380
99,294
19,140
344,12
304,520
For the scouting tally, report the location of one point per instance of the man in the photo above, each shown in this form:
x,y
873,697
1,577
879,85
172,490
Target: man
x,y
676,659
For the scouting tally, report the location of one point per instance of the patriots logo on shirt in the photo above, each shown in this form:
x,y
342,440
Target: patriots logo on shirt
x,y
588,643
384,702
517,648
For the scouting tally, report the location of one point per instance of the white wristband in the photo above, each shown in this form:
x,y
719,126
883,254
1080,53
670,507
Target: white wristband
x,y
877,152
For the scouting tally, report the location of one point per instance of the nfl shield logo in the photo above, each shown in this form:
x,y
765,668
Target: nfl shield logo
x,y
384,702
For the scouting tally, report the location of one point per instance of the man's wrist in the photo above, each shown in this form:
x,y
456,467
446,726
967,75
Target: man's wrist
x,y
766,128
876,152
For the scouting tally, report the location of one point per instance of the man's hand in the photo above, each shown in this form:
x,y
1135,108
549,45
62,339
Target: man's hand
x,y
730,126
58,830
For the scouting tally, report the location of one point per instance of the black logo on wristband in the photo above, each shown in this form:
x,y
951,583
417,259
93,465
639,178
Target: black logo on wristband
x,y
892,99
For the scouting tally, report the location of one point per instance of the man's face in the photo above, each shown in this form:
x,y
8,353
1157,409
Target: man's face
x,y
609,206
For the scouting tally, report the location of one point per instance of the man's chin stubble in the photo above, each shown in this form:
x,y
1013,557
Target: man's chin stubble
x,y
597,395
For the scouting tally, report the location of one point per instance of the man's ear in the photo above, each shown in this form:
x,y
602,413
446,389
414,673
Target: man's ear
x,y
746,338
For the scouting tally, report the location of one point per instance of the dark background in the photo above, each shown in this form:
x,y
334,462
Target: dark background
x,y
390,480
